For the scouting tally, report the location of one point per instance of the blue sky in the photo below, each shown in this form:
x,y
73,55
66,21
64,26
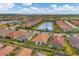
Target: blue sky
x,y
39,8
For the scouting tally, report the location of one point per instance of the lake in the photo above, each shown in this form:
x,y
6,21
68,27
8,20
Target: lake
x,y
46,26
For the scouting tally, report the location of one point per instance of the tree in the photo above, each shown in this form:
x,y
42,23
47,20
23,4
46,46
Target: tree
x,y
46,30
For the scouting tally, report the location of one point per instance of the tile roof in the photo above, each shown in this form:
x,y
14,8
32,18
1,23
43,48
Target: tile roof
x,y
16,33
63,25
6,50
74,41
76,22
21,34
5,32
24,52
42,37
57,40
1,45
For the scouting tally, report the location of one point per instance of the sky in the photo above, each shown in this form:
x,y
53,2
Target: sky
x,y
39,8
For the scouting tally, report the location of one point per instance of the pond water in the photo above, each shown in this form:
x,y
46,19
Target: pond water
x,y
46,26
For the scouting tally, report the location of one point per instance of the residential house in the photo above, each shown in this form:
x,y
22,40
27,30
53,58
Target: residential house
x,y
63,26
41,38
6,50
24,52
1,46
56,42
5,32
18,35
74,41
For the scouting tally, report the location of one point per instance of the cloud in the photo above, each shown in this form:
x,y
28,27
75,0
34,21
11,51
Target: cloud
x,y
34,8
27,4
52,9
64,8
7,5
67,8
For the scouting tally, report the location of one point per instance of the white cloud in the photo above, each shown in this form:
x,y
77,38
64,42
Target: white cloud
x,y
7,5
67,8
27,4
64,8
53,9
34,8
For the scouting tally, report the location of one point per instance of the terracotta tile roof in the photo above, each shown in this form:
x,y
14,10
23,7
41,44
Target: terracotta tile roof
x,y
42,37
24,52
6,50
76,22
16,33
21,34
58,40
63,25
1,45
4,32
